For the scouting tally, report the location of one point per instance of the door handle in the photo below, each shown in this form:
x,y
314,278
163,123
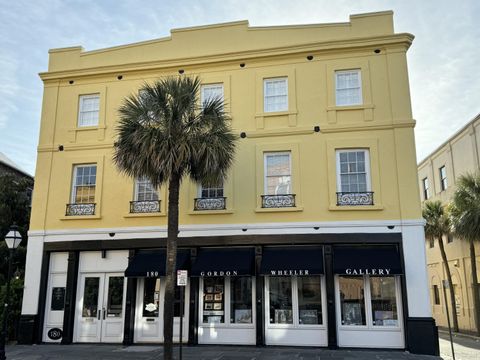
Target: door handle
x,y
103,313
98,315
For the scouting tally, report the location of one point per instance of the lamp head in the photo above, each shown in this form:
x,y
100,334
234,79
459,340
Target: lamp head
x,y
13,238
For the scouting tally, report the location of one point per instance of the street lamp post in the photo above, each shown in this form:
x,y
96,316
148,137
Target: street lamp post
x,y
13,239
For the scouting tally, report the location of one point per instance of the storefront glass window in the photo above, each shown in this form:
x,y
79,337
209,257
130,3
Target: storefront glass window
x,y
115,296
309,300
281,300
90,297
151,297
213,300
352,300
384,302
241,300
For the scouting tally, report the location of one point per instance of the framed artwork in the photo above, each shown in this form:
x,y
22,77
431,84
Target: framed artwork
x,y
218,297
308,317
219,288
209,289
208,306
243,316
217,306
209,297
283,316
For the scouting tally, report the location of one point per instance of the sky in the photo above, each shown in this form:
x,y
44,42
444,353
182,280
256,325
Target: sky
x,y
444,60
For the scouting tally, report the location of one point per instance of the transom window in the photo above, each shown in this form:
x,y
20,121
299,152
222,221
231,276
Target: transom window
x,y
275,93
443,178
348,87
84,183
353,171
426,189
144,190
278,173
88,110
211,91
211,191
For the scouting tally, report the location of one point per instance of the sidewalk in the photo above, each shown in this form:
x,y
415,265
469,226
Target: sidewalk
x,y
118,352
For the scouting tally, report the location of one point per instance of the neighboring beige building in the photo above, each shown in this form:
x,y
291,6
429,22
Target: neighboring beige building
x,y
437,174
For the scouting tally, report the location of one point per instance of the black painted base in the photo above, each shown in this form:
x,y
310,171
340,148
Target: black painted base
x,y
26,329
422,336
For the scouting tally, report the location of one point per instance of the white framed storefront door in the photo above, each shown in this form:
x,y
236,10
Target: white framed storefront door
x,y
295,311
369,311
227,310
149,311
100,307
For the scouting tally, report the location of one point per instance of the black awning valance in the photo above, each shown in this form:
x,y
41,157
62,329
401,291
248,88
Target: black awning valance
x,y
293,260
382,260
224,262
152,263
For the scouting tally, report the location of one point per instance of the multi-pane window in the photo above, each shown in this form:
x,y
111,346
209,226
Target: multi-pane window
x,y
88,110
443,178
84,183
275,93
144,190
353,171
210,92
211,191
426,189
278,175
348,89
449,238
436,295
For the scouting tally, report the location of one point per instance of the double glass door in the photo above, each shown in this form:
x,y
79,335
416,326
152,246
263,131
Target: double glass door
x,y
100,307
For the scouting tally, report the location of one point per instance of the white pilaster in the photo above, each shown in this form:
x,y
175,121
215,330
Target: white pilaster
x,y
33,270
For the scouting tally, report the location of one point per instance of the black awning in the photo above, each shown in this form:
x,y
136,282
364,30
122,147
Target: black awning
x,y
382,260
224,262
293,260
152,263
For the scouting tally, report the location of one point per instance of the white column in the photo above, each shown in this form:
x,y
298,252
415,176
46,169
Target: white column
x,y
33,270
418,294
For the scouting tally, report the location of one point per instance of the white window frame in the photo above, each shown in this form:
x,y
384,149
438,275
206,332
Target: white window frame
x,y
369,326
81,101
265,95
426,188
359,87
211,86
443,177
265,169
367,167
210,188
136,190
74,180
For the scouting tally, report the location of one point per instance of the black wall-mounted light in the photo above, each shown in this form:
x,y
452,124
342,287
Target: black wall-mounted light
x,y
181,71
391,227
104,253
120,77
60,147
316,128
71,82
243,135
310,57
242,65
377,51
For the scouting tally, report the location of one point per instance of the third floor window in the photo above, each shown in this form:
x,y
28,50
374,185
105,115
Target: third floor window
x,y
275,92
88,110
348,87
210,92
443,178
426,189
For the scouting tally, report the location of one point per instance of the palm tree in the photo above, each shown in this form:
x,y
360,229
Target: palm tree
x,y
166,135
465,216
437,225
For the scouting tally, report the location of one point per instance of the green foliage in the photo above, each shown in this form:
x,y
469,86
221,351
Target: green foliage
x,y
465,207
437,219
16,293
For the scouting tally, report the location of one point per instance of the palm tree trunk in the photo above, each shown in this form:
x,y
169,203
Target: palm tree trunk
x,y
476,295
173,194
450,287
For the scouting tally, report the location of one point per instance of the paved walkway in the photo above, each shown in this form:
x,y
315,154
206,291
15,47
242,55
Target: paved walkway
x,y
466,347
117,352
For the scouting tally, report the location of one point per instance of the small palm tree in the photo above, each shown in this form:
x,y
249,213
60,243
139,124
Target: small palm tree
x,y
165,135
465,216
438,225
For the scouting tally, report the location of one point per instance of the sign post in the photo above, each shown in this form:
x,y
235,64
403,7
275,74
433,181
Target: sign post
x,y
182,278
446,285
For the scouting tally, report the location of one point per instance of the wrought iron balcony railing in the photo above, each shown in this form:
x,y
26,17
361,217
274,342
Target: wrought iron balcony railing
x,y
82,209
354,198
210,203
278,201
145,206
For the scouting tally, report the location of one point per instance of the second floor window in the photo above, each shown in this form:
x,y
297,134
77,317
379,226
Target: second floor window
x,y
88,110
84,183
348,87
275,94
443,178
353,171
278,173
426,189
211,91
144,190
211,191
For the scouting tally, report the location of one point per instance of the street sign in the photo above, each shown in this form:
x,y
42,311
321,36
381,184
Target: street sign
x,y
182,276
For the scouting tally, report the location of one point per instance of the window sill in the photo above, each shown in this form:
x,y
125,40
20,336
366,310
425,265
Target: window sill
x,y
211,212
276,113
140,215
356,207
82,217
350,107
283,209
297,327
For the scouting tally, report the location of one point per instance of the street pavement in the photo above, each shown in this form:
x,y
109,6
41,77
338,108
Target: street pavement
x,y
200,352
465,347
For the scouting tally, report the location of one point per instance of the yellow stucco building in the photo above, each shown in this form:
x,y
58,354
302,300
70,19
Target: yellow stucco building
x,y
437,174
315,238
